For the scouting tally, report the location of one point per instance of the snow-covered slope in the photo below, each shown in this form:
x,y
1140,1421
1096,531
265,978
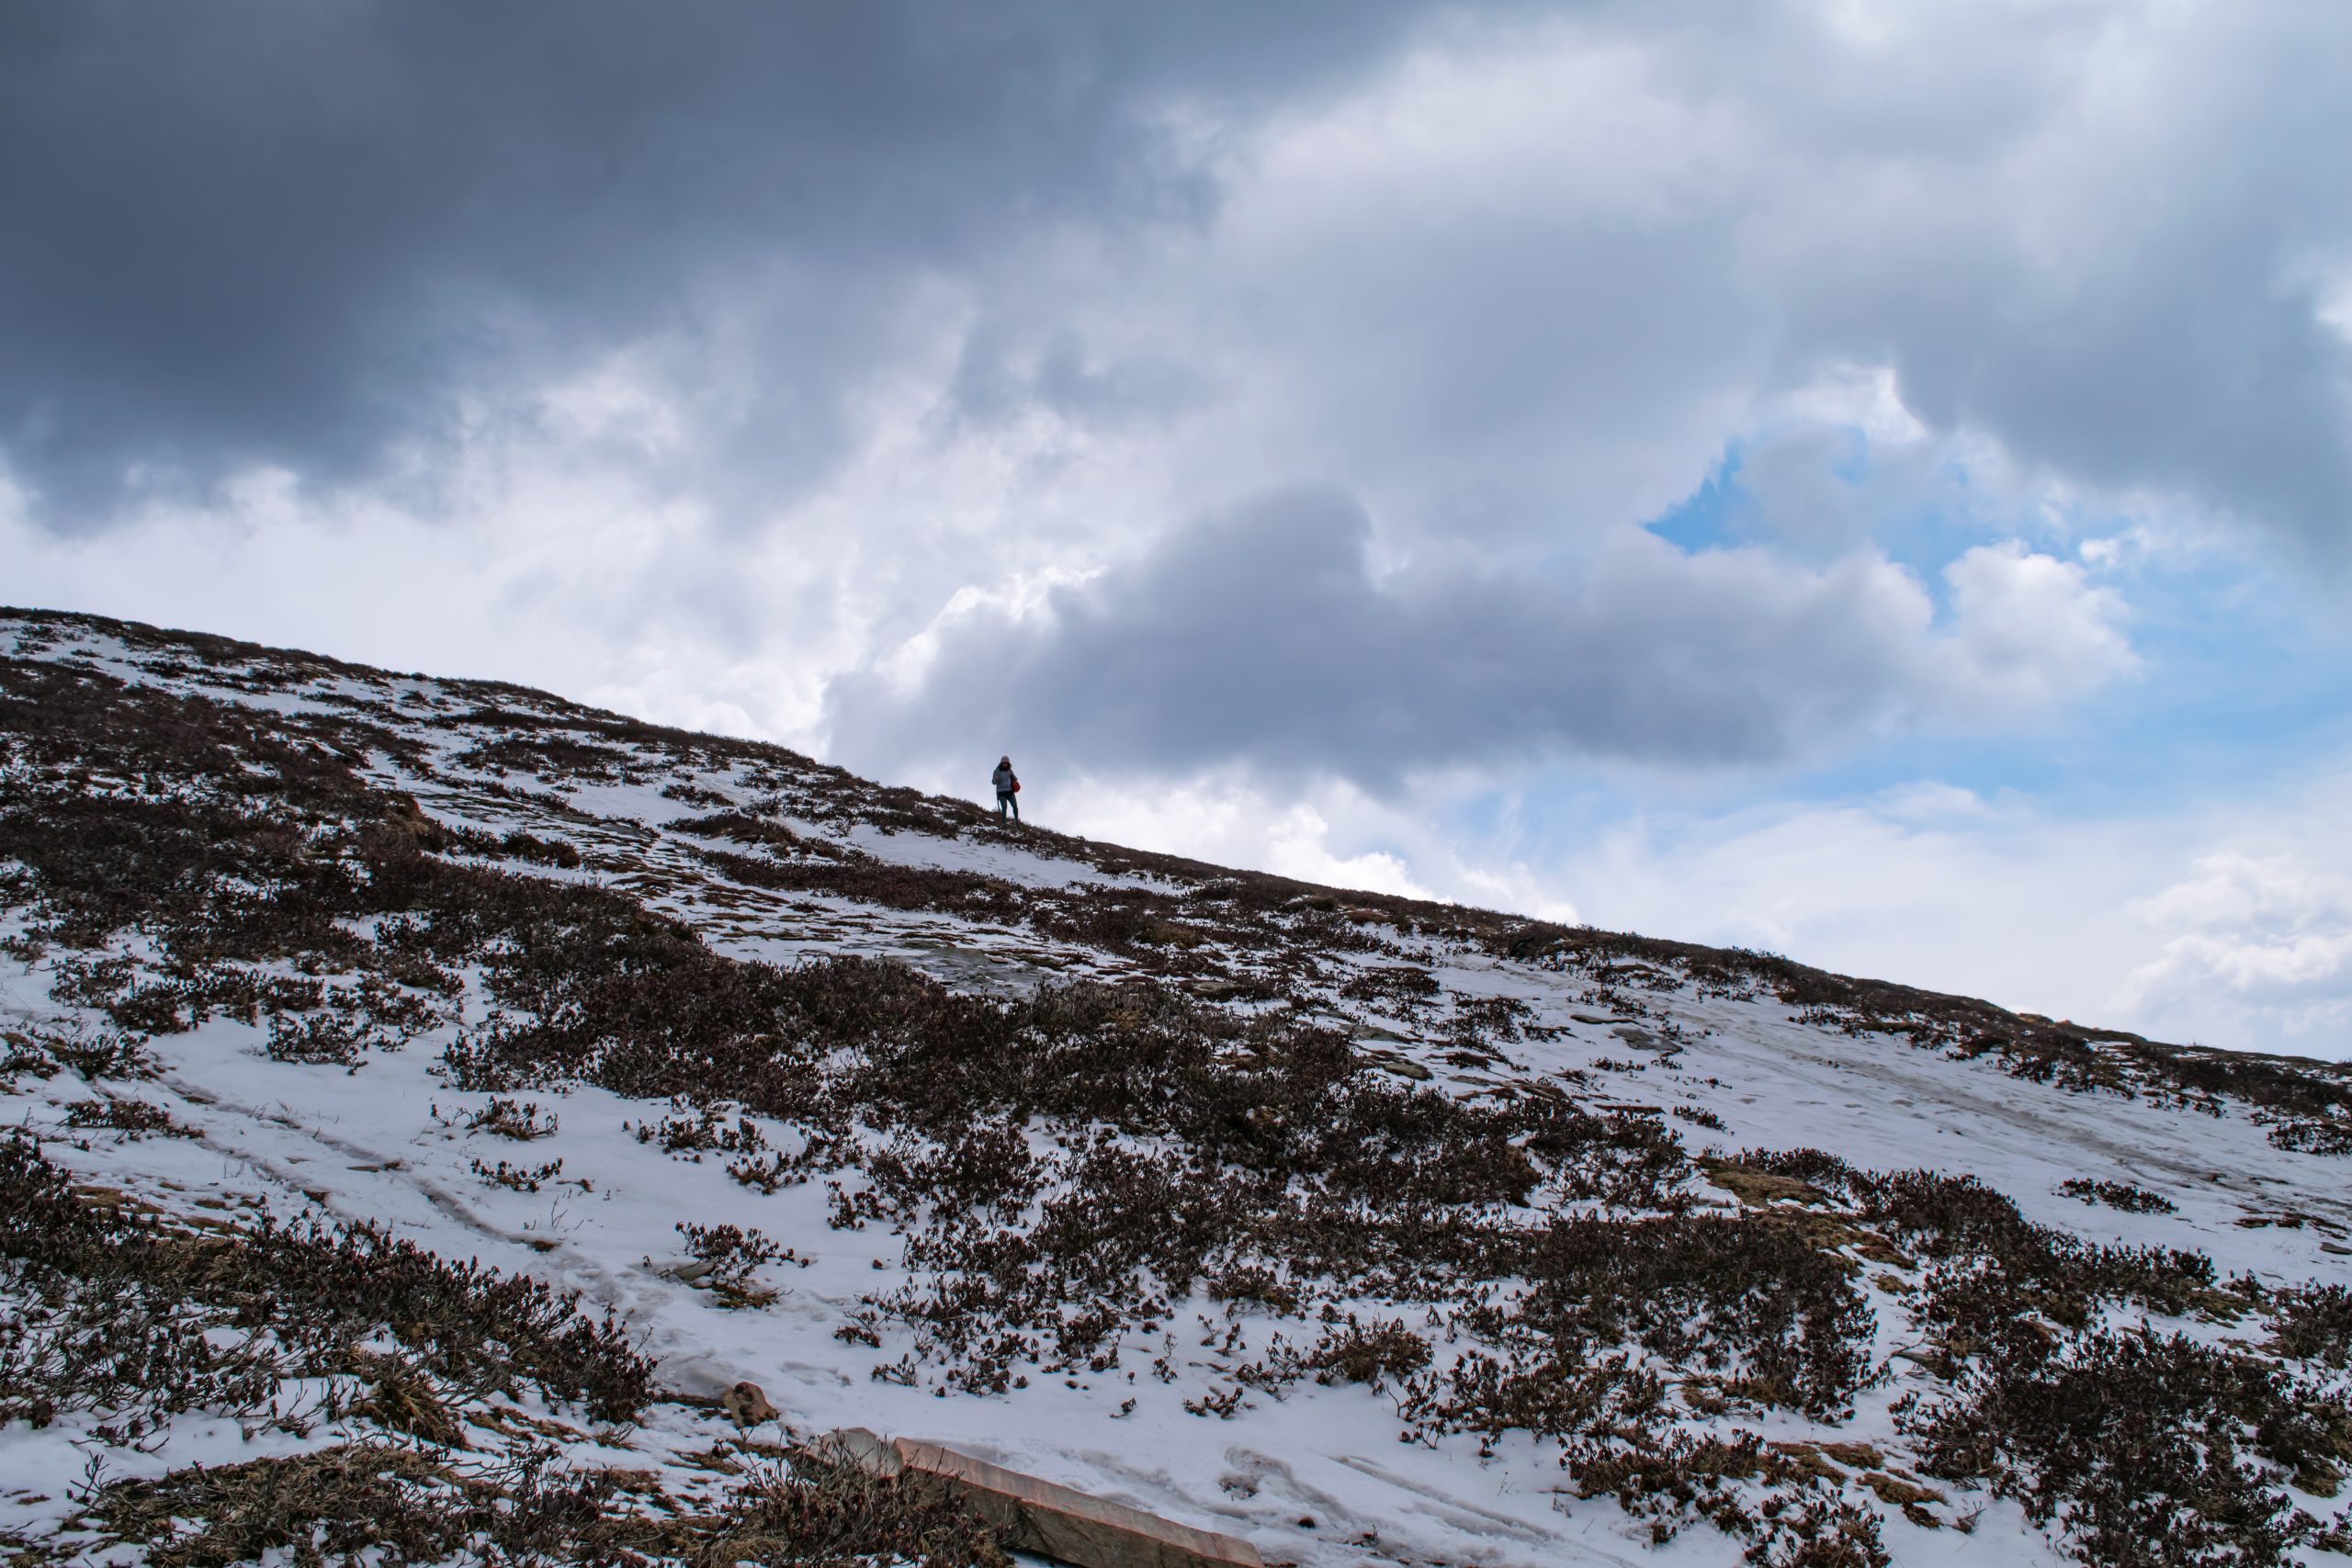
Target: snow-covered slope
x,y
1368,1230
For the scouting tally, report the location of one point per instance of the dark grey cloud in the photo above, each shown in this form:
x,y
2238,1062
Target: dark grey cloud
x,y
286,232
992,384
1265,638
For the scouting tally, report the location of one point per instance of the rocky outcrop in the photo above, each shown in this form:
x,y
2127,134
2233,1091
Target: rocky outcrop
x,y
1034,1515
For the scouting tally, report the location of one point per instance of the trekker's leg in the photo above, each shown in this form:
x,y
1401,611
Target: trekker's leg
x,y
1015,801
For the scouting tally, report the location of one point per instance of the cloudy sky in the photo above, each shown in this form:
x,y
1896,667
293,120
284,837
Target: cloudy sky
x,y
1869,480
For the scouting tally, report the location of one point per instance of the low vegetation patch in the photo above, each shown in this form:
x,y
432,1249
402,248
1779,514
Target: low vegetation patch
x,y
114,1313
399,1507
2123,1195
2144,1449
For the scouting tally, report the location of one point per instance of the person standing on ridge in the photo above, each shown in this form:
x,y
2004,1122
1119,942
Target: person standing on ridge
x,y
1008,786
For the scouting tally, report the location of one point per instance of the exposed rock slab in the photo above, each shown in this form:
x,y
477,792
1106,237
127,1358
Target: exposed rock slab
x,y
1035,1514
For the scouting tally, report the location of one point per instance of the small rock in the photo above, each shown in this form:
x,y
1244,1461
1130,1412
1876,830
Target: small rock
x,y
746,1406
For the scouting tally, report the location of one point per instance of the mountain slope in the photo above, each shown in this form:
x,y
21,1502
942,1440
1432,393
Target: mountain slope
x,y
1368,1229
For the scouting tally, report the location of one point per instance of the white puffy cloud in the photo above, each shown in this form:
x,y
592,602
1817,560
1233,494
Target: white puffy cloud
x,y
2257,936
2031,631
